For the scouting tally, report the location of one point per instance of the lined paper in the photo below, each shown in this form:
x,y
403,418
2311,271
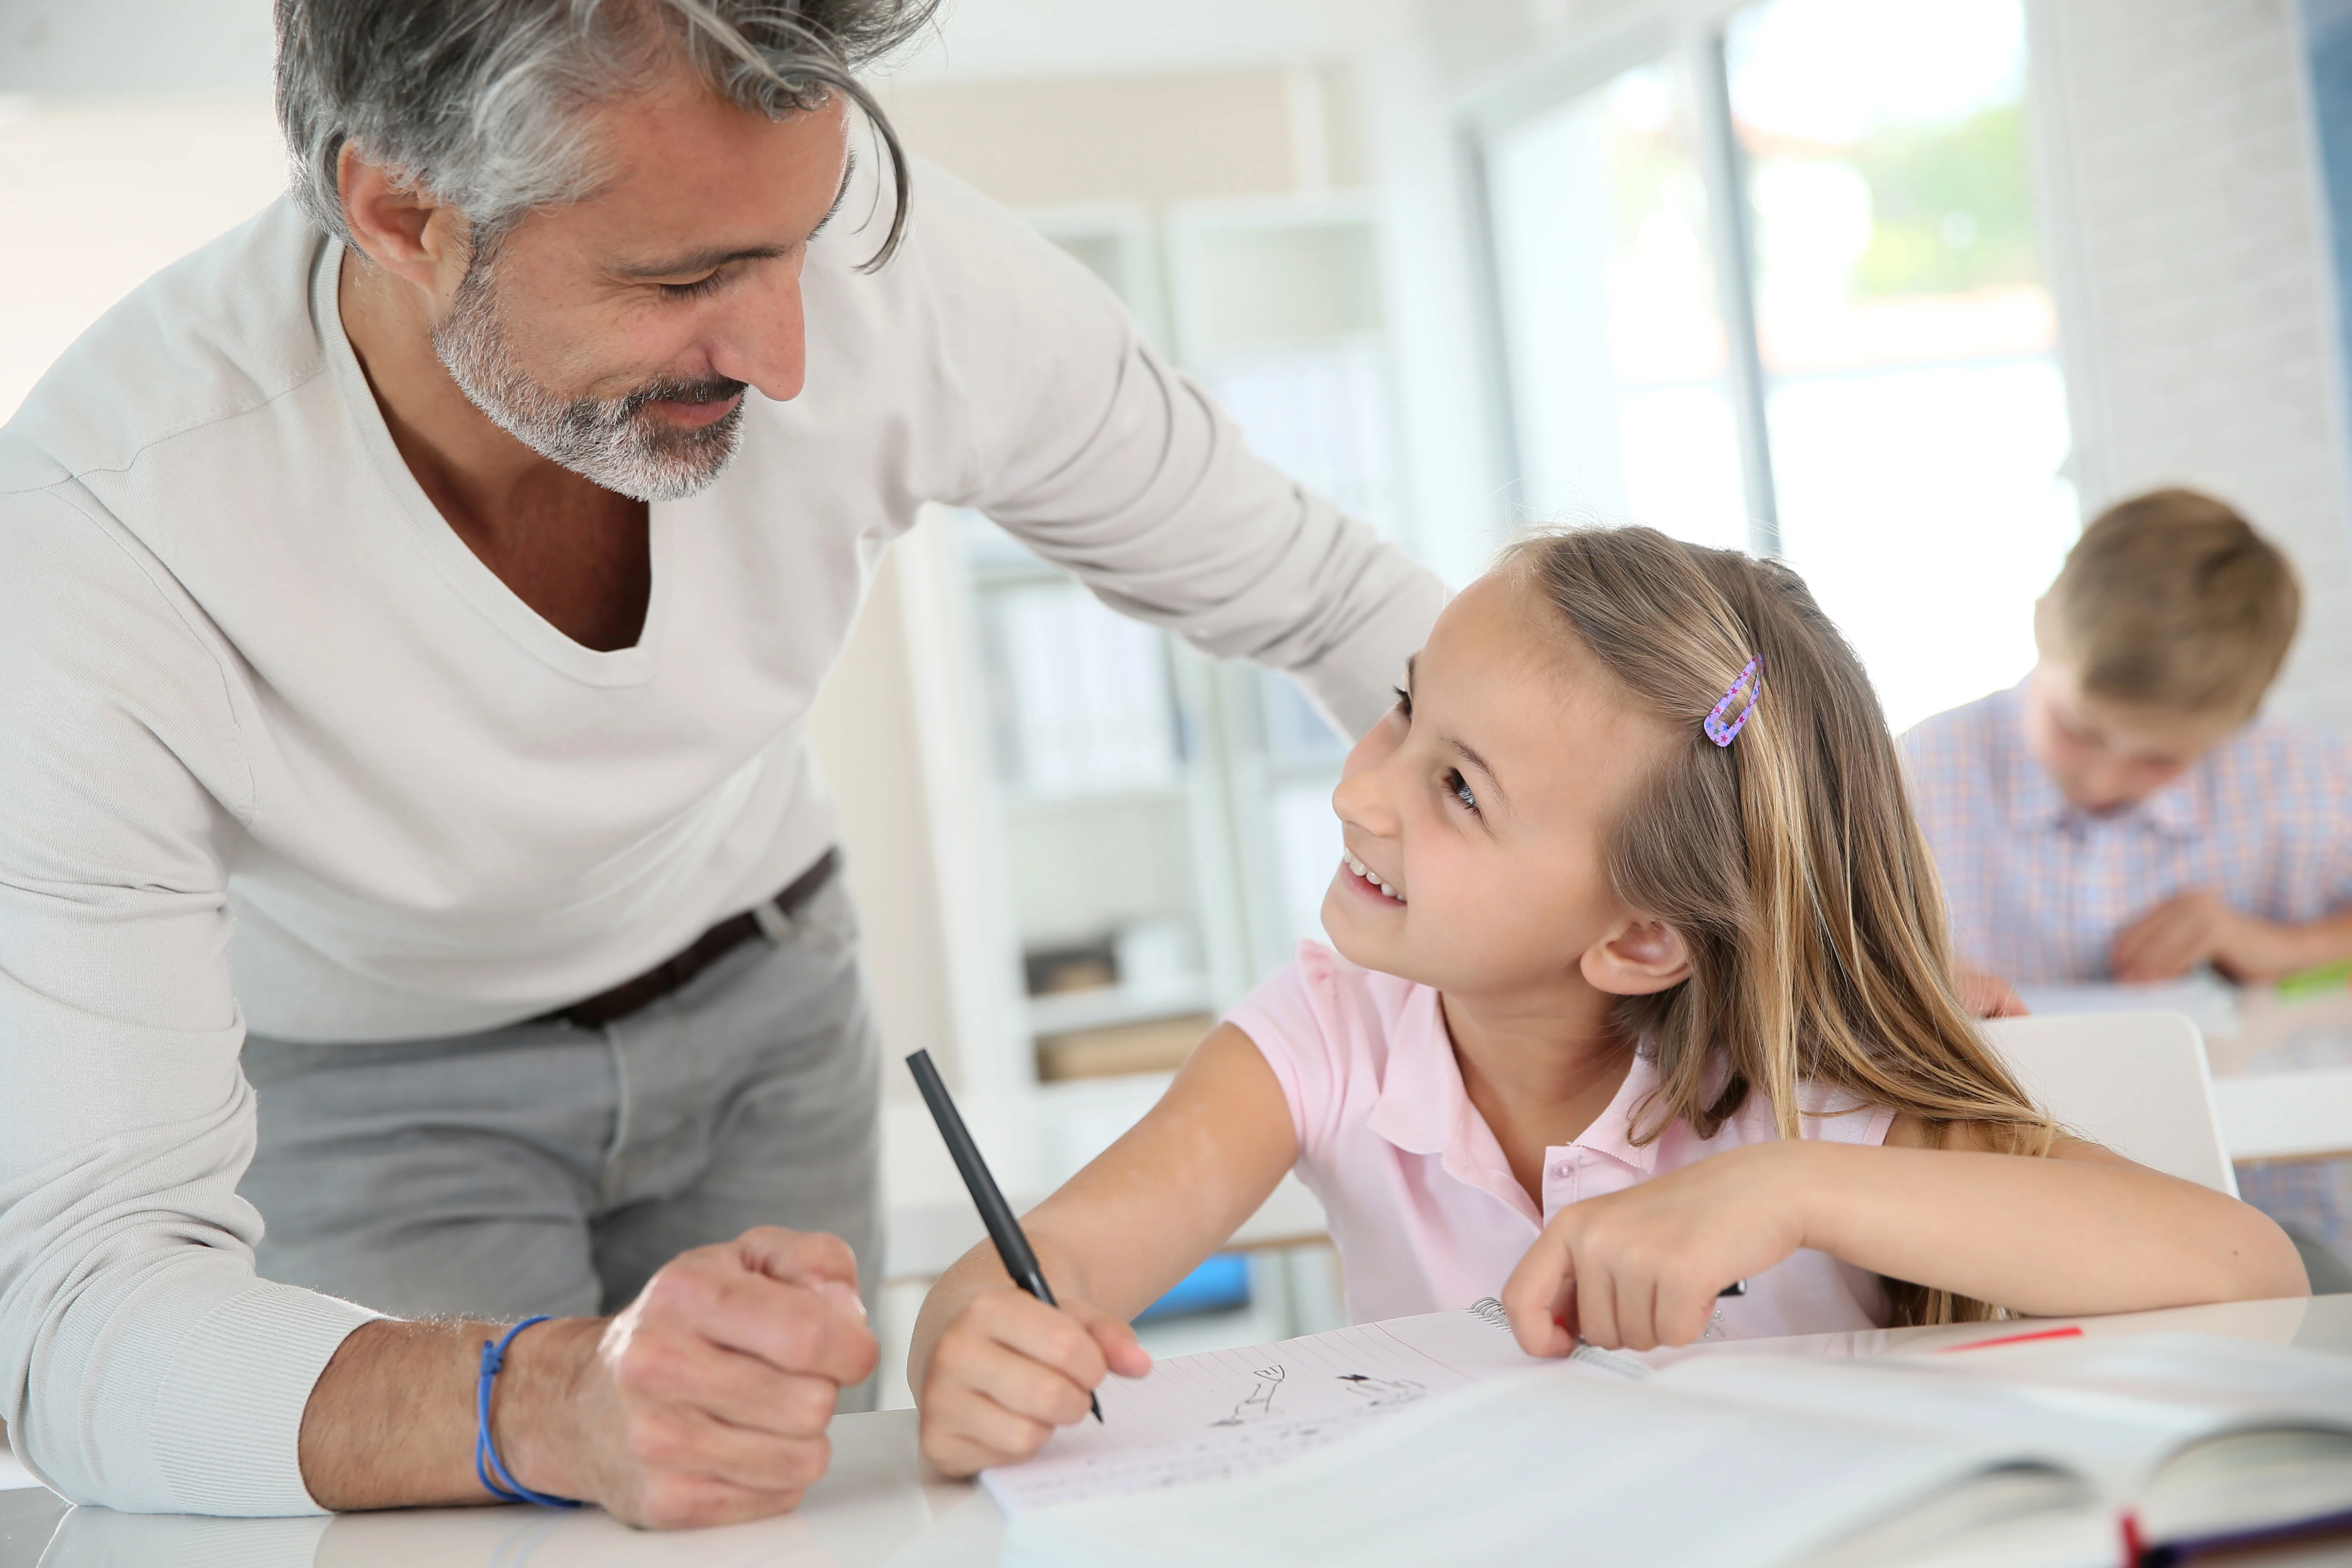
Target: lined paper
x,y
1230,1412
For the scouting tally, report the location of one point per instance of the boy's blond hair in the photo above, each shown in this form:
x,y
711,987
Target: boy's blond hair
x,y
2172,601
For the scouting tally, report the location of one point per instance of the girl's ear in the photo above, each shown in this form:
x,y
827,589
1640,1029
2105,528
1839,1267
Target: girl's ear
x,y
1638,957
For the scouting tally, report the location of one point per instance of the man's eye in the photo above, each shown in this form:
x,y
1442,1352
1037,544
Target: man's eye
x,y
1404,701
1459,787
702,285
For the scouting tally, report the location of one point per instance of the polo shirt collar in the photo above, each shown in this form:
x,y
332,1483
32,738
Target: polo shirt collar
x,y
1423,1108
1422,1103
1611,1133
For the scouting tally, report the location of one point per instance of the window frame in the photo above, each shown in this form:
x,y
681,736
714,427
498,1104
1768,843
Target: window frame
x,y
1696,51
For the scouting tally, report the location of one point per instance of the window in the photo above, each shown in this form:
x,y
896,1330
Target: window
x,y
1782,285
1619,366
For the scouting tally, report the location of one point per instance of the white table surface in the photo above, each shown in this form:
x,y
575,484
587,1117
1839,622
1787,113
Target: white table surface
x,y
2282,1077
878,1505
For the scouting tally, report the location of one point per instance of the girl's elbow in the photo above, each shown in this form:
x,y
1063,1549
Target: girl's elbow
x,y
2269,1265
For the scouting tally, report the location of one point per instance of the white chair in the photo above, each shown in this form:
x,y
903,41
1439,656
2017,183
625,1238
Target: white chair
x,y
2137,1083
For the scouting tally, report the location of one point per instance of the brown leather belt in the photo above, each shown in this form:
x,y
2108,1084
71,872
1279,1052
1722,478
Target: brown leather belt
x,y
673,972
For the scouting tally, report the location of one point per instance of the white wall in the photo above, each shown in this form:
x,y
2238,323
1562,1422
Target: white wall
x,y
136,49
1108,76
980,38
98,196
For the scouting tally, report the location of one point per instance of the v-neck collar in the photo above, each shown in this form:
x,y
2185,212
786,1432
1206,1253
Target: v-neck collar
x,y
452,561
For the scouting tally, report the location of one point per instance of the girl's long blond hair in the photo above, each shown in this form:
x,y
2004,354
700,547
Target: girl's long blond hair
x,y
1789,861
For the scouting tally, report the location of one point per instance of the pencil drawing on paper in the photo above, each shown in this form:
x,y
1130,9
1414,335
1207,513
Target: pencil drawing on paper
x,y
1259,1404
1366,1392
1380,1393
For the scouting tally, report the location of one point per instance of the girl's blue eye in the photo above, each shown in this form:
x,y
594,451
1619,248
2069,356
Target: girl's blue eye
x,y
1459,787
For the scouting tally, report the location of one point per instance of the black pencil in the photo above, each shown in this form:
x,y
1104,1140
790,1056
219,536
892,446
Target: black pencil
x,y
994,1212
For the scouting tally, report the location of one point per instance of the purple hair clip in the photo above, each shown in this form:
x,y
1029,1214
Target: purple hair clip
x,y
1752,678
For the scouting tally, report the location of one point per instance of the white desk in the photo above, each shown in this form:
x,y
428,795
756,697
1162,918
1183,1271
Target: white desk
x,y
877,1506
2283,1079
2281,1065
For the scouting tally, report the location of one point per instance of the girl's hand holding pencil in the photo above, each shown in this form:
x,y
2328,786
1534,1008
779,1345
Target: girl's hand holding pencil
x,y
1008,1369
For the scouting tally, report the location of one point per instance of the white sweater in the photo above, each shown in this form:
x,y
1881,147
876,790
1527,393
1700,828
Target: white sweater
x,y
276,749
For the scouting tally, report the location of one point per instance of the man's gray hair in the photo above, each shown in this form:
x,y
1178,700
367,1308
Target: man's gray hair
x,y
479,103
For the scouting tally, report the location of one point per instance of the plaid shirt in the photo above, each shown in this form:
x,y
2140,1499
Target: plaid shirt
x,y
2040,890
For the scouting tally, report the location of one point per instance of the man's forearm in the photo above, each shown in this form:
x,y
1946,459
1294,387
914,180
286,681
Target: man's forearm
x,y
704,1402
390,1422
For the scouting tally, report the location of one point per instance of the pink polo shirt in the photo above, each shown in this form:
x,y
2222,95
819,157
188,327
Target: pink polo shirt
x,y
1422,1207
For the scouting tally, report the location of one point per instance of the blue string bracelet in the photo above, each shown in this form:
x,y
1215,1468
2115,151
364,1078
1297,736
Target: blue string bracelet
x,y
496,1478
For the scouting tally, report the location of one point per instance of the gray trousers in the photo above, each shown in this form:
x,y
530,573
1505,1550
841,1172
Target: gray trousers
x,y
549,1168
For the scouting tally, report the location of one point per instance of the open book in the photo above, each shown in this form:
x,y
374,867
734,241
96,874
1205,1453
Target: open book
x,y
2081,1451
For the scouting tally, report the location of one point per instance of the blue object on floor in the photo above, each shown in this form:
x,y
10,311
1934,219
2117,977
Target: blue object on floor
x,y
1218,1284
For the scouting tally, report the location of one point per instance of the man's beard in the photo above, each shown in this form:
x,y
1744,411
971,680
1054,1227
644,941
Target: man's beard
x,y
618,443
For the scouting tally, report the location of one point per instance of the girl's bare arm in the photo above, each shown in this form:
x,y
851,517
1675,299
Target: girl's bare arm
x,y
2082,1231
2085,1230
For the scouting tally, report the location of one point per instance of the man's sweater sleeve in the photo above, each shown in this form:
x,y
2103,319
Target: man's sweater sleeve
x,y
1107,461
143,1365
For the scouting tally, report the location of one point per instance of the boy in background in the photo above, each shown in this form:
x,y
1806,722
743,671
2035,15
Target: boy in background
x,y
2122,814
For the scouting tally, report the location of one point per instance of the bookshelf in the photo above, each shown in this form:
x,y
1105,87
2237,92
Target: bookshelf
x,y
1104,767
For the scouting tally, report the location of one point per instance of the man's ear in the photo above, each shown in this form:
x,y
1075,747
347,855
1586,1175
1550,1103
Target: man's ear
x,y
400,228
1641,957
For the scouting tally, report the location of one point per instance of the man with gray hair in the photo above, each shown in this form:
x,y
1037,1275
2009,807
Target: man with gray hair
x,y
410,606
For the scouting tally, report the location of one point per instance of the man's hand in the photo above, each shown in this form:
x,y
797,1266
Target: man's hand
x,y
2194,928
1008,1369
704,1402
707,1397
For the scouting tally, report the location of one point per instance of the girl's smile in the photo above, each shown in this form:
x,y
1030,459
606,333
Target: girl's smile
x,y
1368,882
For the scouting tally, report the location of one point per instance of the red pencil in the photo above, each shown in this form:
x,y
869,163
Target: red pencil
x,y
2066,1334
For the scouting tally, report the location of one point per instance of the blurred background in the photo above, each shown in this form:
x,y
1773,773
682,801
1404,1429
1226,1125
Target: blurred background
x,y
1897,289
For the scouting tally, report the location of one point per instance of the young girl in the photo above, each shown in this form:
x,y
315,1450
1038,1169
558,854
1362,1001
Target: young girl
x,y
1641,988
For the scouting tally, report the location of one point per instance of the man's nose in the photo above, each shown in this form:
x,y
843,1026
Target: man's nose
x,y
765,341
